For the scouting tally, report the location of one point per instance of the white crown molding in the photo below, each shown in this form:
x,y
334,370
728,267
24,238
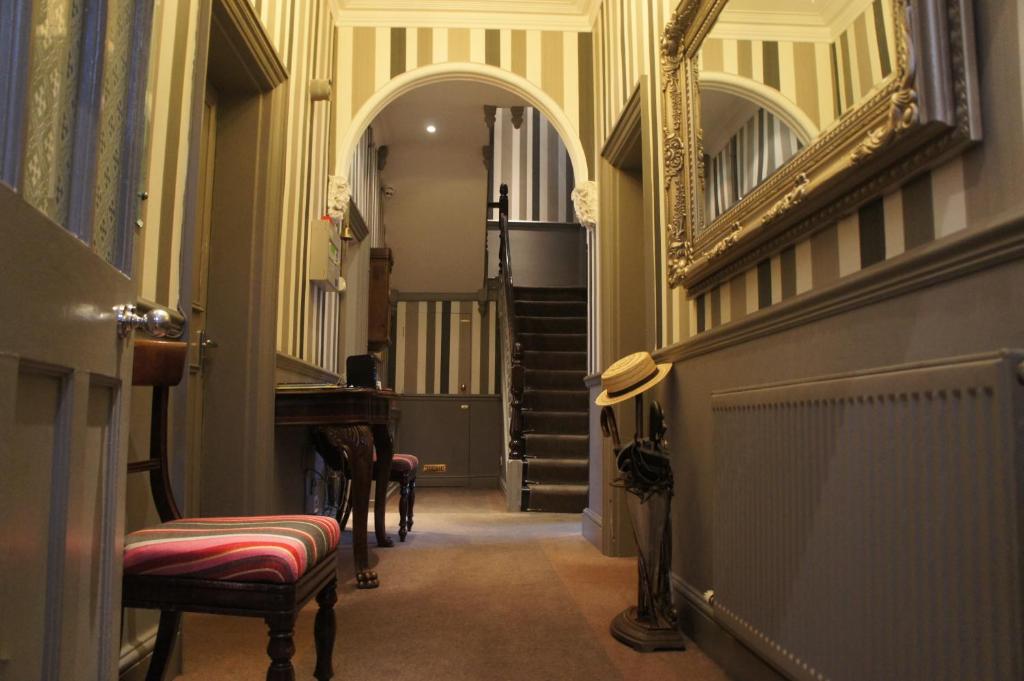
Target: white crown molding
x,y
551,15
846,14
590,8
417,19
823,26
758,29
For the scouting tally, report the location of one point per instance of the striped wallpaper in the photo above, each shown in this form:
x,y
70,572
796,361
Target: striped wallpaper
x,y
928,208
534,164
757,149
168,92
307,316
822,79
627,41
442,345
365,181
302,34
326,313
559,62
627,37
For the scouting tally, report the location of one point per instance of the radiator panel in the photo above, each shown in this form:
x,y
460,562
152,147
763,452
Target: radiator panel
x,y
868,526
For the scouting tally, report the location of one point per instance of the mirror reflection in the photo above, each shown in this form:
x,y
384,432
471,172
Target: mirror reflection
x,y
776,74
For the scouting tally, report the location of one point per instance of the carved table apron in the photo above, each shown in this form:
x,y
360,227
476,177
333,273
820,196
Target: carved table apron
x,y
352,422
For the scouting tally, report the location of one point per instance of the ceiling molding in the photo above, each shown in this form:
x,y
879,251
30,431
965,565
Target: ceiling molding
x,y
824,25
766,30
590,8
416,19
551,15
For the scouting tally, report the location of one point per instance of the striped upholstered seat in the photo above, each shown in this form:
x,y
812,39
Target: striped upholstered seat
x,y
403,463
277,549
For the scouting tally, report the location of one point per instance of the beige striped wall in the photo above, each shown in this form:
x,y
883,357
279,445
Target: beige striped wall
x,y
627,36
627,40
823,79
443,346
169,90
533,162
558,62
307,316
925,209
303,34
365,179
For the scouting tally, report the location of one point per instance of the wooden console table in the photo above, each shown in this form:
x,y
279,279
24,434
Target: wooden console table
x,y
350,421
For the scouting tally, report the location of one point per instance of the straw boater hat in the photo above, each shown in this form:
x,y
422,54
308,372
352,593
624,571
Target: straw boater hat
x,y
630,376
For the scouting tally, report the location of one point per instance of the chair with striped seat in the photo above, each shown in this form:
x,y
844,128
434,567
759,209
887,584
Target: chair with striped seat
x,y
265,566
403,471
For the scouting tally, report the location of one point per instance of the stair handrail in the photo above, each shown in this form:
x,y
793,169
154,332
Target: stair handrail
x,y
511,350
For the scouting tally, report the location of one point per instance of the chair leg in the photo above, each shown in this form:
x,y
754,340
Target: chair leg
x,y
281,647
167,632
403,507
323,631
412,499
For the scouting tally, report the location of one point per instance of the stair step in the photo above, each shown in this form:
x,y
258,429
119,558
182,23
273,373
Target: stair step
x,y
556,379
549,293
553,341
556,422
550,308
552,324
541,446
555,359
556,400
558,471
556,498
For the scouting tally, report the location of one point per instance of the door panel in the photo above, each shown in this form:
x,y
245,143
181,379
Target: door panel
x,y
88,551
437,432
29,414
199,344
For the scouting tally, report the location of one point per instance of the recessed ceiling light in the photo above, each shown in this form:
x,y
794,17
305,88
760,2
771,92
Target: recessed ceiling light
x,y
431,128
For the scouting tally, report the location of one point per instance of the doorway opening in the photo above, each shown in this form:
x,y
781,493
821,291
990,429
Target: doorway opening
x,y
449,145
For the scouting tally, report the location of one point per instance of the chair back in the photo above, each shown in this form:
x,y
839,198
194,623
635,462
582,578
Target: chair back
x,y
160,364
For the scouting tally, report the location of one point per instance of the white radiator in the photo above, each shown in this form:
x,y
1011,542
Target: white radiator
x,y
869,526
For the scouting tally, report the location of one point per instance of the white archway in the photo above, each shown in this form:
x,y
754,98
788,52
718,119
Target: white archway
x,y
480,73
766,97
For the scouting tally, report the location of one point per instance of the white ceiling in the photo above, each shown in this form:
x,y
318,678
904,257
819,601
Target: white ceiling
x,y
569,15
455,107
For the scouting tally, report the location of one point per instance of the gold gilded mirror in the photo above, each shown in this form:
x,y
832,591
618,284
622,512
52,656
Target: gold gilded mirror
x,y
784,115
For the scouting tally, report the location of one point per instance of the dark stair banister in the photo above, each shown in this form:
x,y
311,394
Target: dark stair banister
x,y
517,373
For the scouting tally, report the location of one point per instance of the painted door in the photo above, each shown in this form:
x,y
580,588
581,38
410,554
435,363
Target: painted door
x,y
71,127
200,344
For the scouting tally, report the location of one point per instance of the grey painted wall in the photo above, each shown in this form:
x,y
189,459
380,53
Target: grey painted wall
x,y
435,222
462,432
543,254
956,318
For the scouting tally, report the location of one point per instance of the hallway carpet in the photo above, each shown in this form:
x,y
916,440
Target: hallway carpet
x,y
474,594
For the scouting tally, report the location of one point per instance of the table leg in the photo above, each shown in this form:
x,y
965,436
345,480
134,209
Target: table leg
x,y
385,451
357,441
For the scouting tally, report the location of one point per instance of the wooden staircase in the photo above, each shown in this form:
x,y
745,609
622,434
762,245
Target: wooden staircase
x,y
552,332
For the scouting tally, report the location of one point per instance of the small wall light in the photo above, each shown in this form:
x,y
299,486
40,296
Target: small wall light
x,y
431,128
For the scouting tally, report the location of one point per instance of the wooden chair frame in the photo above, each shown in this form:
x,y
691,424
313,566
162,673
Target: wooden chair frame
x,y
160,364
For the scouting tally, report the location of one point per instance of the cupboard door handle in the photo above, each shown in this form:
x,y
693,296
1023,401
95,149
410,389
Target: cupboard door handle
x,y
464,407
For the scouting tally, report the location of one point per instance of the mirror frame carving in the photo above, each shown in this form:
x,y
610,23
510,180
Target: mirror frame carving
x,y
926,112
